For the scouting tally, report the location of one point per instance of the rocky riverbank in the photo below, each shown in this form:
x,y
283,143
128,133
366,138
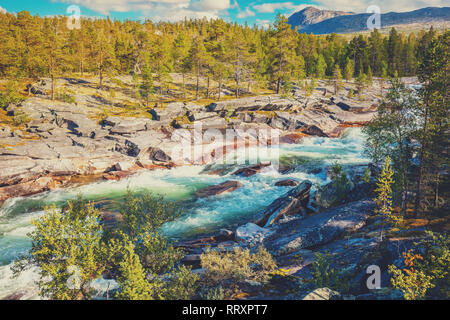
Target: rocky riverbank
x,y
63,143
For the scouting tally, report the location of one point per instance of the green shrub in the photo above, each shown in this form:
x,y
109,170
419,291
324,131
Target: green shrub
x,y
65,95
323,276
10,95
20,118
426,275
238,265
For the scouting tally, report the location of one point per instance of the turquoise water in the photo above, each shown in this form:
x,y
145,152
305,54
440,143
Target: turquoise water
x,y
200,215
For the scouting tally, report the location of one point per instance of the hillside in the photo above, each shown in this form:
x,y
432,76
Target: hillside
x,y
347,22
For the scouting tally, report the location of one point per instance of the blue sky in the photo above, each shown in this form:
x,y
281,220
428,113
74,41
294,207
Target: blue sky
x,y
261,12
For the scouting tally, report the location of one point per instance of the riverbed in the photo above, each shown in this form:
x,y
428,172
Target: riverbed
x,y
201,216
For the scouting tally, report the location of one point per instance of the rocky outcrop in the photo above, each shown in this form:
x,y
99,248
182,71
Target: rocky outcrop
x,y
251,234
251,171
292,203
323,294
287,183
226,187
319,229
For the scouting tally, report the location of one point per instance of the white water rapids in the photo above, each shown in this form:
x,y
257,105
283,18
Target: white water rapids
x,y
312,156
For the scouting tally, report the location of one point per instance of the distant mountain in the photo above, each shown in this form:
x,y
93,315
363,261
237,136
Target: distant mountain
x,y
312,15
313,20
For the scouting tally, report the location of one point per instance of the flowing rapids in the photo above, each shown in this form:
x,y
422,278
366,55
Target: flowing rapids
x,y
310,158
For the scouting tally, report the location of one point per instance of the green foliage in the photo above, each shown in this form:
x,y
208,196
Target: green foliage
x,y
389,133
367,175
132,280
71,250
384,195
412,281
67,248
146,88
65,95
146,213
20,118
350,94
10,95
340,182
182,285
323,275
238,265
435,263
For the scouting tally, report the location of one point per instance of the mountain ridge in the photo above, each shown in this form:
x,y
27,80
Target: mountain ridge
x,y
345,22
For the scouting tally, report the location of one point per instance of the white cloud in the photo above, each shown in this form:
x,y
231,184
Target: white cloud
x,y
272,7
246,13
263,23
169,10
385,5
2,10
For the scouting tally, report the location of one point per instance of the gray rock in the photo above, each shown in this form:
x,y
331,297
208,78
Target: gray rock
x,y
251,234
292,203
319,229
323,294
226,187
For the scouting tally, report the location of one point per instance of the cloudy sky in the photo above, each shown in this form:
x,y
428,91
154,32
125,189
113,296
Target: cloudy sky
x,y
261,12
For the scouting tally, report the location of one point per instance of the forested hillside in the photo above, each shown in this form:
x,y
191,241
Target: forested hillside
x,y
34,47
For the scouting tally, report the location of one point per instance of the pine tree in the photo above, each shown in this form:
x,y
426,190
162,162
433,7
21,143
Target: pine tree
x,y
146,87
349,69
53,50
384,194
337,79
132,280
283,53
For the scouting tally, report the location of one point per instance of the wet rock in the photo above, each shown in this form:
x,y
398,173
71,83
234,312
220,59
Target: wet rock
x,y
117,175
251,171
225,235
226,187
292,138
315,131
292,203
323,294
287,183
26,189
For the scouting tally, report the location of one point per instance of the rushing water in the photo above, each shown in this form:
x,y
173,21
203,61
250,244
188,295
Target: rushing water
x,y
200,215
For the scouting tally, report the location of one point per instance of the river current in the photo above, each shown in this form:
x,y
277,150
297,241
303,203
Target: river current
x,y
201,216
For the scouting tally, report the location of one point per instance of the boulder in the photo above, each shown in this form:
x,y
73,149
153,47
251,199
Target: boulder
x,y
251,234
323,294
287,183
315,131
129,126
319,229
26,189
251,171
157,154
226,187
292,203
78,123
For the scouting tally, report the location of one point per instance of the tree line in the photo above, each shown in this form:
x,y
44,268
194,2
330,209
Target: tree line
x,y
412,129
34,47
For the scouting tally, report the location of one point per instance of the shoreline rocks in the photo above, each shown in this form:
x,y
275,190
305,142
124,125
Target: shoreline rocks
x,y
292,203
66,141
225,187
